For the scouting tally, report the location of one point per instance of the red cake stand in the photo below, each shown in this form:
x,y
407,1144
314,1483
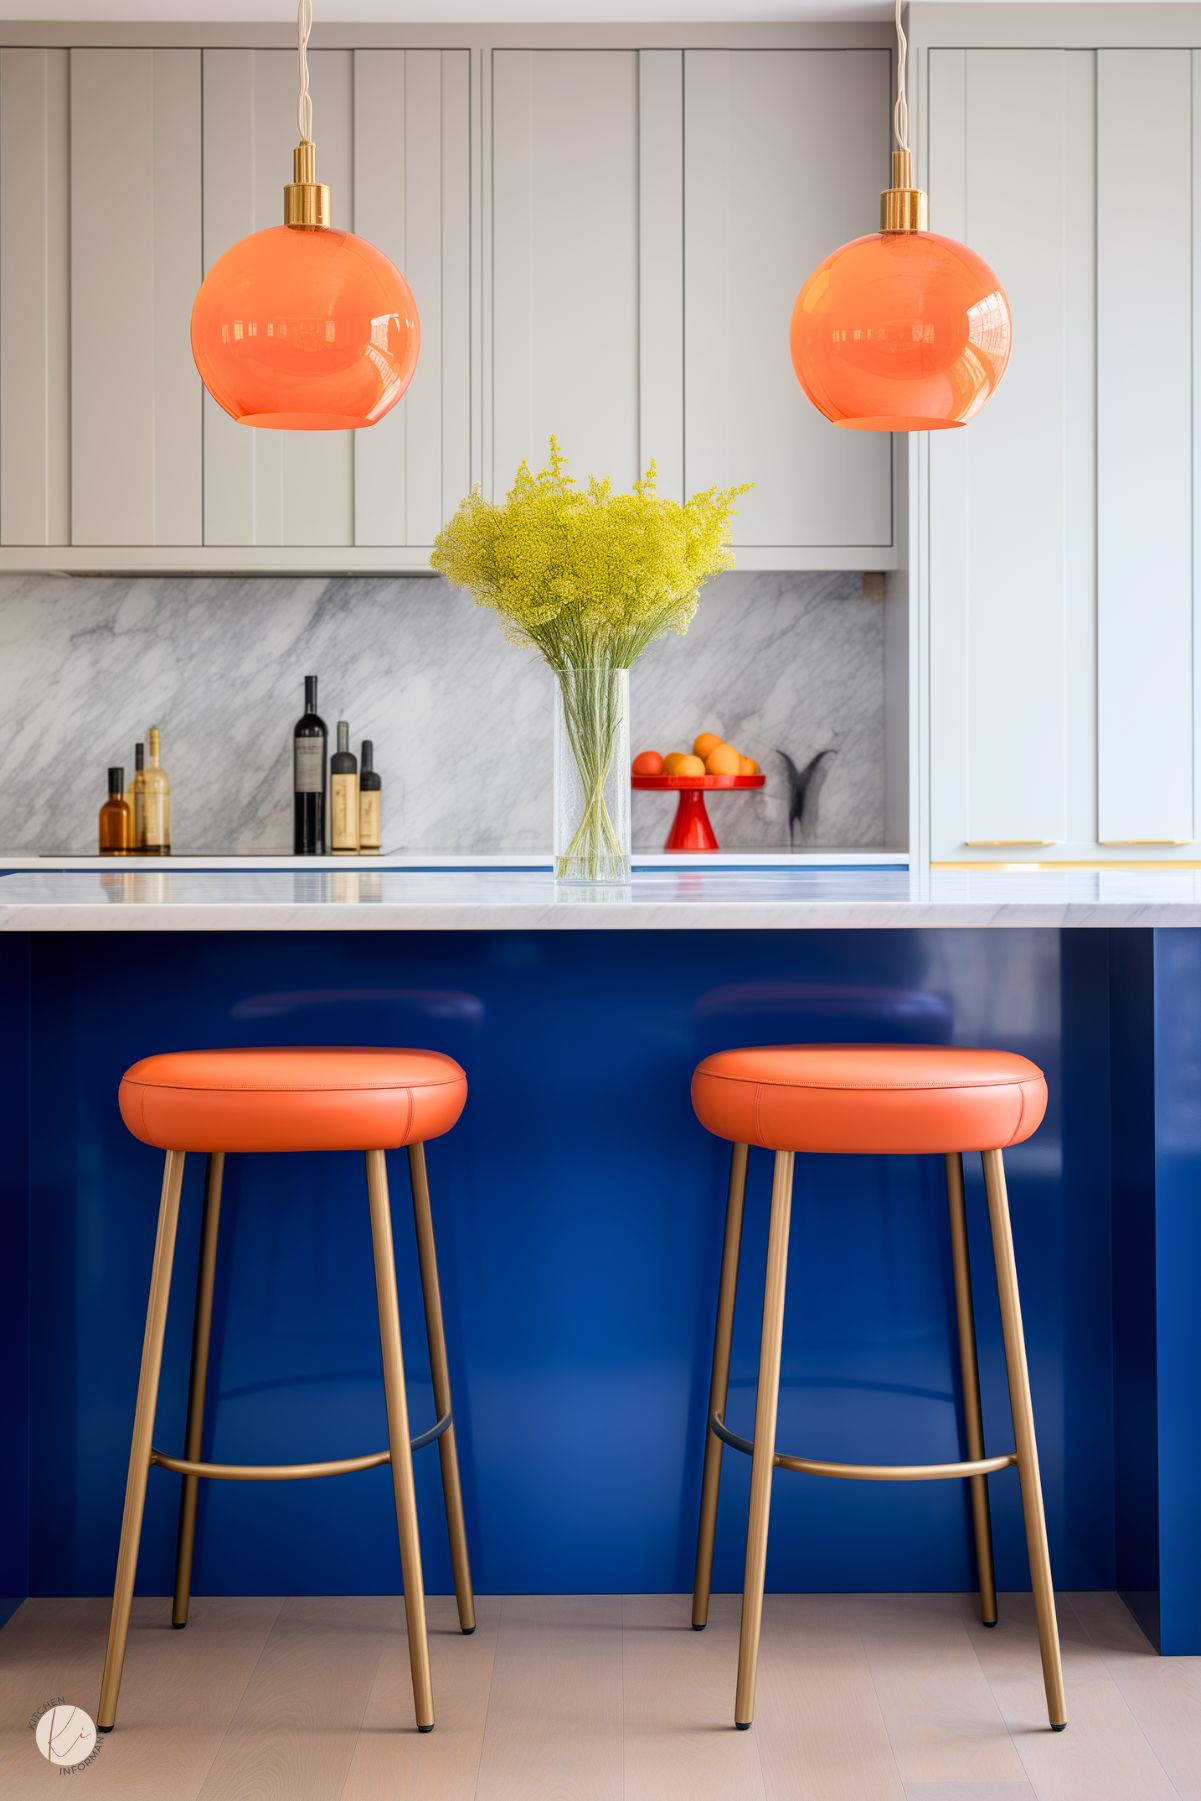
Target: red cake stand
x,y
690,829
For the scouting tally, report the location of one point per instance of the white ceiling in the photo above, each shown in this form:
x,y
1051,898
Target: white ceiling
x,y
494,12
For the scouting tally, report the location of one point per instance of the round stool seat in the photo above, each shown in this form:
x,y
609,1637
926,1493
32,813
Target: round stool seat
x,y
886,1098
296,1099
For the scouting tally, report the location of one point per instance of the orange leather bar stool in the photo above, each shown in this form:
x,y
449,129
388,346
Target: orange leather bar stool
x,y
876,1098
293,1100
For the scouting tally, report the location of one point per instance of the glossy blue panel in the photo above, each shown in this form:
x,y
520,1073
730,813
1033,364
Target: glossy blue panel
x,y
579,1210
1178,1284
14,1292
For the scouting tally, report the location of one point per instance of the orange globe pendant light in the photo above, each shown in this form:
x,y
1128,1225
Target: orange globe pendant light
x,y
901,330
301,327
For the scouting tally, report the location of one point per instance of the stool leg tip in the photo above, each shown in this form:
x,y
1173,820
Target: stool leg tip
x,y
178,1625
105,1728
467,1631
743,1725
988,1622
699,1625
1062,1726
428,1728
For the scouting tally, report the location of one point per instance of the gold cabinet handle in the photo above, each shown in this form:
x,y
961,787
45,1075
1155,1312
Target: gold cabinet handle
x,y
1147,843
1008,843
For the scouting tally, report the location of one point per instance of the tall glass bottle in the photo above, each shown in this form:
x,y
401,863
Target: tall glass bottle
x,y
155,823
309,777
114,818
344,794
135,796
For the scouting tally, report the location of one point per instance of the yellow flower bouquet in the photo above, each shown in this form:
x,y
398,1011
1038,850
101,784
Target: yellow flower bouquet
x,y
589,579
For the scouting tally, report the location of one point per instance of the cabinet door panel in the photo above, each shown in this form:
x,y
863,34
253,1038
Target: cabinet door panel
x,y
785,152
412,199
269,487
35,307
135,267
1012,509
565,279
1144,450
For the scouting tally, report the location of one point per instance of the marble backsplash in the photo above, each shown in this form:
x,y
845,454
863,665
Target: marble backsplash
x,y
785,666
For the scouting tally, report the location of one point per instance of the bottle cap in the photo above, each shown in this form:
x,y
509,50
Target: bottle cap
x,y
343,734
116,781
152,738
139,756
368,753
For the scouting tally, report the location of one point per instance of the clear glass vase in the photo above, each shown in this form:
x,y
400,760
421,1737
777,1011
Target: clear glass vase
x,y
592,774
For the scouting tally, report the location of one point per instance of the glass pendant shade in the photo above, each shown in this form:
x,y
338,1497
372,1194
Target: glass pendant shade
x,y
305,329
901,331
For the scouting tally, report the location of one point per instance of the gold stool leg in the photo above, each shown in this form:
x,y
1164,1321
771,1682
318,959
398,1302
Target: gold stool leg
x,y
1023,1433
143,1434
972,1417
719,1385
202,1326
763,1460
448,1455
398,1437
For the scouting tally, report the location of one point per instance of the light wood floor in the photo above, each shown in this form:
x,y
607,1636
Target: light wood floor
x,y
605,1698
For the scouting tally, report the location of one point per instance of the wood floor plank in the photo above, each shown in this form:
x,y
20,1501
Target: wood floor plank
x,y
969,1791
389,1758
942,1717
680,1741
822,1734
554,1728
292,1736
1104,1754
1163,1693
178,1692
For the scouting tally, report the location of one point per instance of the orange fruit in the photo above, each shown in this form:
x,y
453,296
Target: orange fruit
x,y
672,761
705,743
689,766
747,766
647,762
723,759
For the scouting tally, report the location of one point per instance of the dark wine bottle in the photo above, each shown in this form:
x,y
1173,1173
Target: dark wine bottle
x,y
369,801
309,777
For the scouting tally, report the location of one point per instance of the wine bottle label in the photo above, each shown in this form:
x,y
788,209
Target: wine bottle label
x,y
369,820
152,824
344,825
308,765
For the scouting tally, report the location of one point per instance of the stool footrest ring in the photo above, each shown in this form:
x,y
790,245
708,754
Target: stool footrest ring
x,y
294,1472
868,1472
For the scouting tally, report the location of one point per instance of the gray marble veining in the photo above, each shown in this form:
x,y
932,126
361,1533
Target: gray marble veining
x,y
460,719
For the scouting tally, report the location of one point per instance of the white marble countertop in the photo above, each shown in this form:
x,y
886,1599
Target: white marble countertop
x,y
658,900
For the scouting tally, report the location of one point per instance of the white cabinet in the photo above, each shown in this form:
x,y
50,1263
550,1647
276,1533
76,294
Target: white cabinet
x,y
604,244
124,174
785,152
35,298
391,129
654,214
586,333
1060,581
1146,721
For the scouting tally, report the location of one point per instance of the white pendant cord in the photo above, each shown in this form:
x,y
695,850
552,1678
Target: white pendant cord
x,y
900,112
304,103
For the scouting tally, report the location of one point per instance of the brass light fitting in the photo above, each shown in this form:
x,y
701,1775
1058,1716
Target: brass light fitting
x,y
902,206
306,200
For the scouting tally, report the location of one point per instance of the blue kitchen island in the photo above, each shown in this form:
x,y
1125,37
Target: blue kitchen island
x,y
579,1208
